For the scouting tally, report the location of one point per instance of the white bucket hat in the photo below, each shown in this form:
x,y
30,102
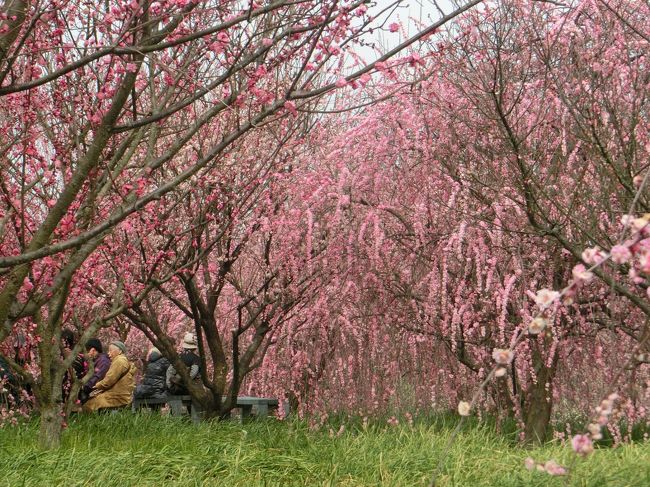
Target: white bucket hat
x,y
189,341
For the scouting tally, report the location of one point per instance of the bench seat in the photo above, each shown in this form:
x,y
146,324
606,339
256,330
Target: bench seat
x,y
179,404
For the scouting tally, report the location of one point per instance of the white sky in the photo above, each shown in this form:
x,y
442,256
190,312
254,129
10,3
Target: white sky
x,y
413,15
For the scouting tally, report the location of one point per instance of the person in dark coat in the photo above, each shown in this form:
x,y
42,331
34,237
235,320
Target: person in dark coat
x,y
153,383
191,360
102,364
79,365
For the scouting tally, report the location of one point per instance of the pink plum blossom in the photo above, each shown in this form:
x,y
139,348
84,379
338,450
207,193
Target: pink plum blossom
x,y
545,297
595,430
553,468
620,254
640,223
582,445
581,274
637,180
502,356
464,408
537,325
593,255
500,372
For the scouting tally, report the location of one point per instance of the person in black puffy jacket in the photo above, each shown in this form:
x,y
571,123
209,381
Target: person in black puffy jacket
x,y
153,382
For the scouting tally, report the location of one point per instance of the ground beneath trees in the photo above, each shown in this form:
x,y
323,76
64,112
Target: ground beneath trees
x,y
125,449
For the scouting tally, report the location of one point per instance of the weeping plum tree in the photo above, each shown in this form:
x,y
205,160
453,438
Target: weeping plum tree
x,y
451,203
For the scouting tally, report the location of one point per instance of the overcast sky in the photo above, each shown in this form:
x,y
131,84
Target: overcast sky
x,y
413,15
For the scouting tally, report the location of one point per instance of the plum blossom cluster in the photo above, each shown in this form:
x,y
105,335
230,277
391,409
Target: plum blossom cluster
x,y
582,444
551,467
633,252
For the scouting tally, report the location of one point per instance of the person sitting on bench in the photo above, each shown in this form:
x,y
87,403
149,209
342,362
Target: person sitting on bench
x,y
95,351
116,389
155,376
191,360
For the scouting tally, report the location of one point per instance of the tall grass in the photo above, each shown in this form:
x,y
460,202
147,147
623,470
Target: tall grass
x,y
125,449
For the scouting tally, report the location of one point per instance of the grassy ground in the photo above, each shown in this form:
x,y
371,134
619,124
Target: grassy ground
x,y
125,449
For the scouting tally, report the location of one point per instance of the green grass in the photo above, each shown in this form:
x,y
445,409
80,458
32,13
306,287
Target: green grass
x,y
125,449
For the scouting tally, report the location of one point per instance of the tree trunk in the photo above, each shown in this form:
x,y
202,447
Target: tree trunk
x,y
539,399
51,426
538,413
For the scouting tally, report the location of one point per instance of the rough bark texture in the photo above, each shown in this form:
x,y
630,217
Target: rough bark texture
x,y
539,398
51,426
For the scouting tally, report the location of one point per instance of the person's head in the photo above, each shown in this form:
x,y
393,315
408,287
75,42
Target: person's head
x,y
67,338
189,341
94,347
116,348
153,353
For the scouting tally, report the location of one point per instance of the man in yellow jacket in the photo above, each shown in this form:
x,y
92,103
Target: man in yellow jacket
x,y
116,388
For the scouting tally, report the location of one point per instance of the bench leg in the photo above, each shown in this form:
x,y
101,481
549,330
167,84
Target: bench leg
x,y
196,412
262,410
176,407
246,411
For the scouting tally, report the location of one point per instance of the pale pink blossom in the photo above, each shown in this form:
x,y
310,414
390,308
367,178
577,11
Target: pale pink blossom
x,y
502,356
545,297
537,325
569,294
553,468
637,180
341,82
581,274
595,430
500,372
640,223
593,255
626,220
606,407
643,261
530,463
582,445
464,408
620,254
634,276
266,42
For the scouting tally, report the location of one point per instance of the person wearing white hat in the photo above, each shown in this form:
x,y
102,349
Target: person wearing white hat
x,y
191,360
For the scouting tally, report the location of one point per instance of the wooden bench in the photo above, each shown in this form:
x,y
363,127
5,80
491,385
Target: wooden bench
x,y
178,405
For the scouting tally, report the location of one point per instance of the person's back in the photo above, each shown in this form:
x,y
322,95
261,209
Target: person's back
x,y
153,382
191,360
78,367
